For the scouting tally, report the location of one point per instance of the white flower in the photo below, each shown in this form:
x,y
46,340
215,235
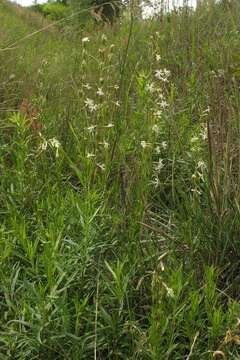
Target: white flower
x,y
158,165
85,39
91,128
102,167
43,145
100,92
162,75
194,139
170,291
155,129
150,87
160,95
104,37
164,145
52,142
110,125
89,102
87,86
162,265
144,144
56,144
206,111
158,113
90,155
116,87
201,165
157,150
196,191
105,144
167,72
117,103
220,72
155,182
158,57
158,74
90,105
163,104
204,134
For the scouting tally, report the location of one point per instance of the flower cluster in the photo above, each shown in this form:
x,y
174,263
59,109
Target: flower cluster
x,y
90,105
162,75
85,39
198,176
157,168
54,143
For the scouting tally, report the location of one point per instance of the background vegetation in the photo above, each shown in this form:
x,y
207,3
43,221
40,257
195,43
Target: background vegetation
x,y
119,190
85,11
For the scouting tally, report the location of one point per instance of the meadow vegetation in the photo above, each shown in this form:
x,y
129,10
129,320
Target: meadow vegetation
x,y
120,186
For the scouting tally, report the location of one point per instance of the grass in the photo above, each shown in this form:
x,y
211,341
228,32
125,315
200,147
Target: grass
x,y
119,162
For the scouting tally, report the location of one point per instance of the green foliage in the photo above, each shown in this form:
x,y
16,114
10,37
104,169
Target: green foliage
x,y
119,191
96,11
53,11
108,10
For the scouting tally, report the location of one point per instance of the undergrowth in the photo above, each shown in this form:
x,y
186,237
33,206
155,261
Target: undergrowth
x,y
119,163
